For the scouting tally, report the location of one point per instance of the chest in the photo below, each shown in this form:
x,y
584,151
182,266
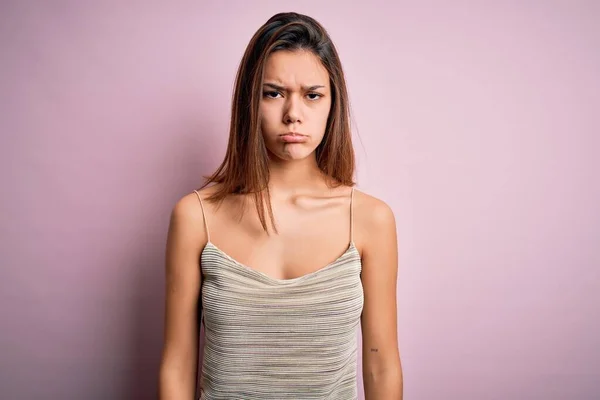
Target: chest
x,y
309,238
236,297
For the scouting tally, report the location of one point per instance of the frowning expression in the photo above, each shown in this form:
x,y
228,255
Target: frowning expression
x,y
295,104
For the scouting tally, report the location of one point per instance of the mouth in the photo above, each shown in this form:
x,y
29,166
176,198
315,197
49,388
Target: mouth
x,y
292,134
293,137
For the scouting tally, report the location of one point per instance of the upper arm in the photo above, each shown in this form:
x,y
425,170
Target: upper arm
x,y
183,279
379,276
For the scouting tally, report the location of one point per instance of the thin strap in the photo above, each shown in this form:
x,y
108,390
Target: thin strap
x,y
203,215
351,216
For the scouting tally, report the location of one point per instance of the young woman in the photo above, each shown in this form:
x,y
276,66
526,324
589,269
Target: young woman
x,y
278,253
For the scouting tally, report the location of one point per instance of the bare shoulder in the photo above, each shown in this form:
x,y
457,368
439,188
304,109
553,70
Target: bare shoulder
x,y
187,209
372,213
374,224
188,206
187,218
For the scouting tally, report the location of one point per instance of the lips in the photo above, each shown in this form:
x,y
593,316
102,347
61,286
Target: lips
x,y
293,137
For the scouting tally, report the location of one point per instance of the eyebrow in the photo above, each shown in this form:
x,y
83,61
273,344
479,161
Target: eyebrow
x,y
284,89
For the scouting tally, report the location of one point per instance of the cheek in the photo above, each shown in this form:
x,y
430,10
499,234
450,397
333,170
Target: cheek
x,y
323,115
268,115
327,109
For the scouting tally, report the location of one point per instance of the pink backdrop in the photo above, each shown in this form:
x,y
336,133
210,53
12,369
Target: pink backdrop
x,y
477,123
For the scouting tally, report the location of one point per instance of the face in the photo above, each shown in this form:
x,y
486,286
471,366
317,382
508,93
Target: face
x,y
296,98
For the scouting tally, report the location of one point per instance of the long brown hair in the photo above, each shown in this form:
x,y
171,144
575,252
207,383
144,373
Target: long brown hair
x,y
245,166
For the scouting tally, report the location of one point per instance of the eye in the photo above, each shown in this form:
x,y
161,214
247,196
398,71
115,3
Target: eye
x,y
271,94
318,95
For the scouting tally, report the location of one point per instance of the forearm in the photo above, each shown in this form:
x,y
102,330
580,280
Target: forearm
x,y
386,385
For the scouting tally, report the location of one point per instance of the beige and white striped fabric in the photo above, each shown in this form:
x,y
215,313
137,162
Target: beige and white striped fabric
x,y
268,338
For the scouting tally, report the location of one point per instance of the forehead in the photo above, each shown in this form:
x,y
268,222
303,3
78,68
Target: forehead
x,y
297,68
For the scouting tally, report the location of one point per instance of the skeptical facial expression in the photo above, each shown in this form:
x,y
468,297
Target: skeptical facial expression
x,y
295,104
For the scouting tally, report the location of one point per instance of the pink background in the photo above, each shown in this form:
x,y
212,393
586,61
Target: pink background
x,y
476,121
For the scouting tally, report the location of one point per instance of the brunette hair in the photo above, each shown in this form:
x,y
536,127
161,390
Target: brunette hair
x,y
245,166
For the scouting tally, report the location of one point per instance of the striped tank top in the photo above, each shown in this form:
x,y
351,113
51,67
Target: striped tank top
x,y
269,338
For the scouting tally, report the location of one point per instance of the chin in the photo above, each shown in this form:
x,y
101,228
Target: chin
x,y
293,154
293,157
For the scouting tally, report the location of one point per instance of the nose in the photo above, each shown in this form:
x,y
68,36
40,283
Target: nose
x,y
292,111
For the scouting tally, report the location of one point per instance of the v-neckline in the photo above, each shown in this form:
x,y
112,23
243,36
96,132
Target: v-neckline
x,y
351,248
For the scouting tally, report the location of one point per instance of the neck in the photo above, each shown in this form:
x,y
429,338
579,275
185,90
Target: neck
x,y
290,177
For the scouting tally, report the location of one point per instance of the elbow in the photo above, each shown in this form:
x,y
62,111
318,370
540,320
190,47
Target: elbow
x,y
389,374
383,383
375,369
175,383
